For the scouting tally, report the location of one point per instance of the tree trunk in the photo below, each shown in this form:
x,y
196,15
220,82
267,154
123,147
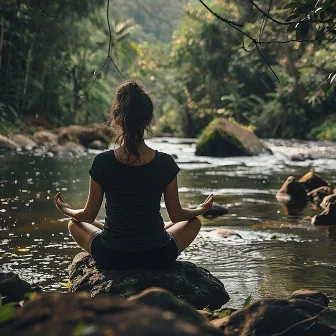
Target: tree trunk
x,y
293,71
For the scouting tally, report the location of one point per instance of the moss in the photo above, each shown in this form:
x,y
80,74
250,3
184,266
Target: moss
x,y
325,131
214,141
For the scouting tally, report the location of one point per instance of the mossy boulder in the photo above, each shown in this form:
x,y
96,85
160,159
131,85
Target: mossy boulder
x,y
223,138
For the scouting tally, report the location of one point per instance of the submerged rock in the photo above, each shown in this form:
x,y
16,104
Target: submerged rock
x,y
223,138
7,144
312,181
301,157
14,289
184,279
226,233
216,210
155,312
293,317
293,193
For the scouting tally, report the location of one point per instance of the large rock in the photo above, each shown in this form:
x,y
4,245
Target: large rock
x,y
312,181
327,216
23,141
151,314
293,317
187,281
223,138
13,289
7,144
84,135
292,193
312,295
45,138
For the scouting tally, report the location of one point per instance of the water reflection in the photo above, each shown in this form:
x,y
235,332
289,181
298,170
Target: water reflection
x,y
279,253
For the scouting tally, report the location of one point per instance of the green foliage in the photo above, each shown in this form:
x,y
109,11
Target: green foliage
x,y
326,131
207,73
7,311
49,63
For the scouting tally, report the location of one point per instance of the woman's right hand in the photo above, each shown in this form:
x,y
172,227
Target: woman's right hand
x,y
207,204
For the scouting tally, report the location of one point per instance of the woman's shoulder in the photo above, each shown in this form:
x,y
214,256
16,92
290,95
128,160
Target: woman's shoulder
x,y
165,156
103,157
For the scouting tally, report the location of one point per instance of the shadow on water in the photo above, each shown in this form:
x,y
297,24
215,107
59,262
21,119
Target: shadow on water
x,y
280,251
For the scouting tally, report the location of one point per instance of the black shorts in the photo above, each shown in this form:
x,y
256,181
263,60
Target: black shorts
x,y
112,259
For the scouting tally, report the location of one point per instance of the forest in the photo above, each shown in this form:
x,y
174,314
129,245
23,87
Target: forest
x,y
56,64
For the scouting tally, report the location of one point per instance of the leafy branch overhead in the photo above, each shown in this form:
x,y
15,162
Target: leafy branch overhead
x,y
307,20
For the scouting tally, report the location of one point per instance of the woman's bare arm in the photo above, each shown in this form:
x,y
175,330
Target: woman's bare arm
x,y
174,208
91,209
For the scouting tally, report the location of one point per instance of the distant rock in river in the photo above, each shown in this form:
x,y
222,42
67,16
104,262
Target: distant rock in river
x,y
223,138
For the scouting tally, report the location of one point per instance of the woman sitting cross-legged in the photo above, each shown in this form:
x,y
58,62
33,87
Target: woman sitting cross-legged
x,y
133,178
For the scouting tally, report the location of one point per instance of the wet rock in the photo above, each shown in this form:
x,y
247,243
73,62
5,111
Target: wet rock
x,y
14,289
293,317
317,195
77,314
68,150
84,135
293,193
164,300
328,199
226,233
23,141
174,156
312,181
223,138
216,210
45,138
311,294
301,157
98,144
7,144
327,216
187,281
74,148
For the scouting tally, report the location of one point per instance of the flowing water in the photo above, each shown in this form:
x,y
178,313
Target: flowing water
x,y
35,244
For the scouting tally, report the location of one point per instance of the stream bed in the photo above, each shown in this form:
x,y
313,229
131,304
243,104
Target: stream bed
x,y
35,243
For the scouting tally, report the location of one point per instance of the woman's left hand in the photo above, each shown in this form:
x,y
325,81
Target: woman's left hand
x,y
61,205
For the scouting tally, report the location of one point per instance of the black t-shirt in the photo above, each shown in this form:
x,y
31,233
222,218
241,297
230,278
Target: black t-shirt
x,y
133,196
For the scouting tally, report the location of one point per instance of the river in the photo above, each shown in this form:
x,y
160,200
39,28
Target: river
x,y
34,241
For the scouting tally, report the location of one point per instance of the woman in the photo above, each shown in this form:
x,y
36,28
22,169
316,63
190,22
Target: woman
x,y
133,178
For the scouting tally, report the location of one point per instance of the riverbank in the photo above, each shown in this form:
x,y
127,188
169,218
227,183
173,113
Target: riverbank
x,y
156,311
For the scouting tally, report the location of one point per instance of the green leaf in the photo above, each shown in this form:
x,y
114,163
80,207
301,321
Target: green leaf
x,y
29,296
7,312
291,5
64,284
247,301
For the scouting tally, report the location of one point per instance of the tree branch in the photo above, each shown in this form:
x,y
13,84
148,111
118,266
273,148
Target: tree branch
x,y
283,23
220,17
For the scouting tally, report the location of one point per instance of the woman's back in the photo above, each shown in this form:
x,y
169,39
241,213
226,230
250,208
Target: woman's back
x,y
133,195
